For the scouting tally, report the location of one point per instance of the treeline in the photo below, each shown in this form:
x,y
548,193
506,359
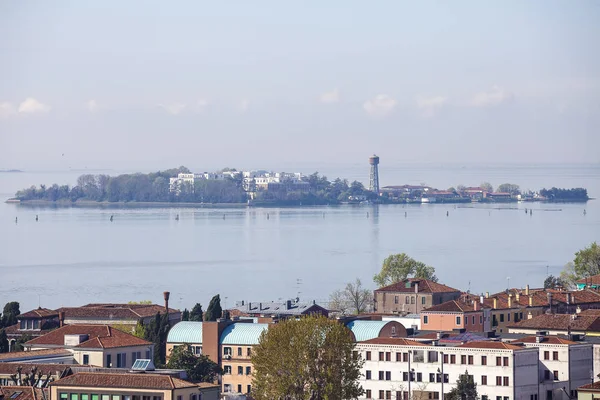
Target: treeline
x,y
556,194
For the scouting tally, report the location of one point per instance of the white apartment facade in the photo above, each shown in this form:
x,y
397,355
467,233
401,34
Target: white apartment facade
x,y
502,371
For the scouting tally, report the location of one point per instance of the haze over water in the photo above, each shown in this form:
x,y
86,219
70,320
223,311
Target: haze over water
x,y
74,256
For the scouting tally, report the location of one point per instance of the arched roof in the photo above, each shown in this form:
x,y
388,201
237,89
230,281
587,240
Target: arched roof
x,y
243,333
365,330
186,332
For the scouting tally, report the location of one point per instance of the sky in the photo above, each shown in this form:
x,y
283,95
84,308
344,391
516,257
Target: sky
x,y
151,84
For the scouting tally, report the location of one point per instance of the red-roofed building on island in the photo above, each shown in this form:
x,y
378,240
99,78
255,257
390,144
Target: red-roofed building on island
x,y
411,296
466,313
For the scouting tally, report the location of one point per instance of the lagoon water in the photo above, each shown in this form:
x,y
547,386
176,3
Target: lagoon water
x,y
74,256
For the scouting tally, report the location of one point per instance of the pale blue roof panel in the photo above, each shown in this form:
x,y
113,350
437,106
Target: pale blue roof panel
x,y
365,330
243,333
186,332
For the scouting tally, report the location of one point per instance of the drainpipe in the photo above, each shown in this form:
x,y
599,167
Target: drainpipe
x,y
409,374
442,397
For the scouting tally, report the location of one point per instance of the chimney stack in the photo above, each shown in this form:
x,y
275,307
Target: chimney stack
x,y
510,300
529,315
517,296
568,295
487,295
550,302
495,303
475,304
530,301
61,318
527,290
481,299
416,287
166,296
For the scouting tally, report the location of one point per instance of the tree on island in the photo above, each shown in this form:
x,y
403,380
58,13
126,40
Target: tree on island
x,y
324,348
199,368
3,341
157,332
185,315
509,188
9,314
585,264
553,282
196,314
214,310
466,388
487,187
353,299
398,267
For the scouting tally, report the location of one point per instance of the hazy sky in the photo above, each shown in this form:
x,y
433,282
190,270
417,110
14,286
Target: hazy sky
x,y
138,85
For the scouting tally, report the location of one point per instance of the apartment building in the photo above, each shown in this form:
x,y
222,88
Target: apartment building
x,y
398,368
411,296
465,313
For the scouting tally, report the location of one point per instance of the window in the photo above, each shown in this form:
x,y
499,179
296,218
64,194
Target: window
x,y
505,361
381,356
445,358
395,299
463,359
388,375
431,377
470,358
178,397
453,359
240,370
419,377
106,397
484,379
368,393
446,378
425,319
36,324
74,396
498,361
484,397
381,394
249,389
380,375
423,300
22,325
498,381
86,359
432,356
508,317
95,397
239,351
398,357
549,394
555,373
368,375
412,300
226,351
135,355
405,376
115,397
393,330
388,395
368,355
227,370
505,381
108,360
457,320
248,370
516,317
483,360
121,360
407,300
405,357
418,356
555,355
239,389
546,355
227,388
249,351
501,317
388,356
473,320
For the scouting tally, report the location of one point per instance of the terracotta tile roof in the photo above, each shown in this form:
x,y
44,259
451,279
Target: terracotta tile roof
x,y
590,311
118,381
590,280
425,286
115,311
9,368
540,298
490,345
393,341
39,313
592,387
433,335
546,340
561,322
452,306
26,393
100,336
16,355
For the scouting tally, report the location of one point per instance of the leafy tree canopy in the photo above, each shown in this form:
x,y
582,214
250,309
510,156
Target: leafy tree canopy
x,y
197,313
199,368
553,282
466,388
585,264
3,342
185,315
214,310
324,349
398,267
509,188
487,187
9,314
353,299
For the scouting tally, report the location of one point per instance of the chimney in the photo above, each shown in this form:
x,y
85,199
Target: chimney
x,y
259,306
288,304
550,301
578,310
242,302
166,296
527,290
510,300
529,315
517,296
487,295
61,318
475,306
568,295
530,301
416,287
481,299
495,303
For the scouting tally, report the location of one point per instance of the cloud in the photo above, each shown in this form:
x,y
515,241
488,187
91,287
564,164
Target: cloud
x,y
6,109
380,106
429,105
91,105
493,97
330,97
173,109
31,106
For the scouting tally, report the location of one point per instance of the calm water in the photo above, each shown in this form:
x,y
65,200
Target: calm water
x,y
74,256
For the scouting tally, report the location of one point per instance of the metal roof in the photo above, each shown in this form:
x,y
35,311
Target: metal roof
x,y
243,333
289,307
365,330
186,332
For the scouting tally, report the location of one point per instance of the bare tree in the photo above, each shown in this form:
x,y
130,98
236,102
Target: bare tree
x,y
353,299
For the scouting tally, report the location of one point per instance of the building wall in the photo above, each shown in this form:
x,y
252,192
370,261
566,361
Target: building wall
x,y
412,303
98,357
446,321
240,357
504,317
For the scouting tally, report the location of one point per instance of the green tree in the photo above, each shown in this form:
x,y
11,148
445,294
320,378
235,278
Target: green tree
x,y
353,299
553,282
199,368
185,315
214,310
509,188
9,314
20,343
143,302
140,330
398,267
466,388
197,313
585,264
486,186
157,332
309,358
3,341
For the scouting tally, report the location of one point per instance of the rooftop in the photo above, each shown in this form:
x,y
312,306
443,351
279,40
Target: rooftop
x,y
561,322
592,387
243,333
425,286
366,330
490,345
545,340
99,336
115,311
28,355
289,307
9,368
393,341
39,313
590,280
21,393
453,306
129,381
186,332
